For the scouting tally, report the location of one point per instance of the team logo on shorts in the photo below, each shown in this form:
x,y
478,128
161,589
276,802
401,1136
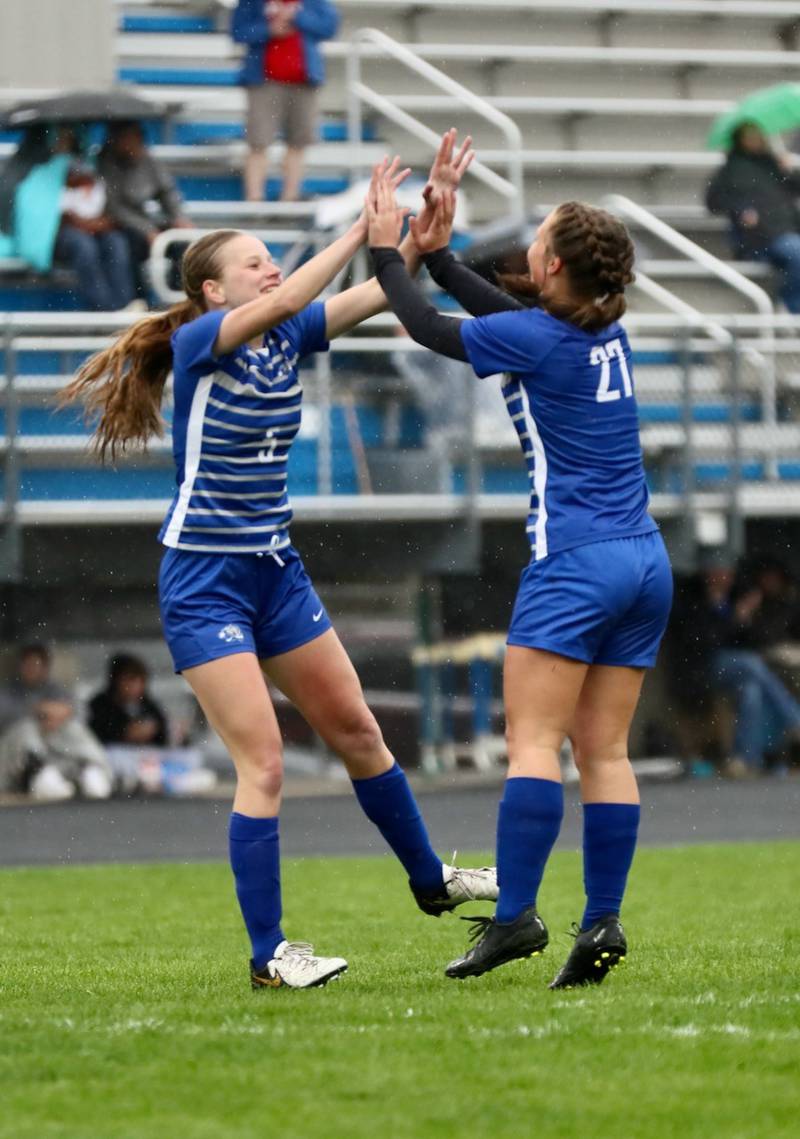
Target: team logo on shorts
x,y
231,634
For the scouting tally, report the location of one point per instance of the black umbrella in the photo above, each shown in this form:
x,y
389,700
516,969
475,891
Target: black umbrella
x,y
85,107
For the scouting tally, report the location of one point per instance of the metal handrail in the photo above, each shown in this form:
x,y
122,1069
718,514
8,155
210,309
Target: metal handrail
x,y
357,92
765,354
694,252
692,317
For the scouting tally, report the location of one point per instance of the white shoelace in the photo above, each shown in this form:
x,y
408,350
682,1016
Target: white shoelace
x,y
301,954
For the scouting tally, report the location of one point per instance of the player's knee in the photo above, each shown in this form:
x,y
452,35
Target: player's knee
x,y
263,770
356,733
527,739
590,749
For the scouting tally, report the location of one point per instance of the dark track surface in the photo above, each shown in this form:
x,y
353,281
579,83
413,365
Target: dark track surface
x,y
195,829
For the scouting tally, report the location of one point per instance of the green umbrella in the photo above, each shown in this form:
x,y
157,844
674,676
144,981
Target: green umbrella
x,y
774,109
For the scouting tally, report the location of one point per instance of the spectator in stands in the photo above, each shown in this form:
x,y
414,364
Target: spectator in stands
x,y
283,69
723,625
33,151
142,197
757,191
52,207
124,712
31,682
89,239
764,612
50,755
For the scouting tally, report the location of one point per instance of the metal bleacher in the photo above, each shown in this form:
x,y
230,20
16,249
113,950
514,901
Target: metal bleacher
x,y
610,97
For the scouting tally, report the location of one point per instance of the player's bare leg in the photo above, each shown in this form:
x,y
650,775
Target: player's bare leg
x,y
320,680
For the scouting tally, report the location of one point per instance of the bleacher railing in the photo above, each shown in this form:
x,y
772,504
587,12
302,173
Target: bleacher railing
x,y
714,455
358,93
764,352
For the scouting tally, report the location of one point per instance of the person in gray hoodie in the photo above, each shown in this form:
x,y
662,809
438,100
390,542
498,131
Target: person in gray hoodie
x,y
142,196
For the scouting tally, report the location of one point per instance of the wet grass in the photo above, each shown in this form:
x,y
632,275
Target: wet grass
x,y
125,1011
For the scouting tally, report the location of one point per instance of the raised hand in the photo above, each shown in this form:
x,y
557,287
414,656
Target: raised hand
x,y
448,168
445,174
432,229
384,216
383,171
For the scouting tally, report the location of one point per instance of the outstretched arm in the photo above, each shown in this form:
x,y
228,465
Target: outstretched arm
x,y
297,291
350,307
423,323
473,292
431,233
305,284
421,320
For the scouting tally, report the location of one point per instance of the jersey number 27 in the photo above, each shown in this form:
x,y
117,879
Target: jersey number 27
x,y
604,354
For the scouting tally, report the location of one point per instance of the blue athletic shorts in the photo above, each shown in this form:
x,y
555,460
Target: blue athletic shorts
x,y
213,605
604,603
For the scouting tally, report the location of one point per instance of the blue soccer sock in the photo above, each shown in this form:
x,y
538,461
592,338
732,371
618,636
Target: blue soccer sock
x,y
255,861
609,841
388,802
528,822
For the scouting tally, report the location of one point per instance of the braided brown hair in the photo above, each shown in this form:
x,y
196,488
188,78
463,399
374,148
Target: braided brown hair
x,y
597,252
122,386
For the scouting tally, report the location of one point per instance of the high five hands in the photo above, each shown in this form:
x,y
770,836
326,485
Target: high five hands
x,y
431,229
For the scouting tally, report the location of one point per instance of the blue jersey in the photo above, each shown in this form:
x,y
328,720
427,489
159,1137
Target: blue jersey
x,y
235,418
570,396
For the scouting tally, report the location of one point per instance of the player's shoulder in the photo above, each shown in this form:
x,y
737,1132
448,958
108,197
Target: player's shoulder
x,y
196,335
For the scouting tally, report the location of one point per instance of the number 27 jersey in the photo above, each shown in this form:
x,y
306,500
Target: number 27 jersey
x,y
571,398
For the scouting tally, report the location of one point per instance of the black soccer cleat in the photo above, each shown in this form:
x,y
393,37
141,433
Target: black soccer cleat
x,y
595,952
499,942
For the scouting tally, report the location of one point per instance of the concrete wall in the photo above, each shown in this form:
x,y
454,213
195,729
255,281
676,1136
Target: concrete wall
x,y
56,44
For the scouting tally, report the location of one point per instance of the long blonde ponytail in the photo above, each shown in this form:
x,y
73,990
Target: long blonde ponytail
x,y
123,385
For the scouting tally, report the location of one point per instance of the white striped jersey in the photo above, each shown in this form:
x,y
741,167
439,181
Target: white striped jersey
x,y
235,418
571,399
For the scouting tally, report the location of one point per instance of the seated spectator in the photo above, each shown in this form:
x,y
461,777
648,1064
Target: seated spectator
x,y
757,191
52,207
31,682
123,712
50,755
142,196
89,239
722,624
762,612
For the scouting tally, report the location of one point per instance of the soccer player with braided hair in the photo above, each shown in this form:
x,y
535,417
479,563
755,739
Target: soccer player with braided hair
x,y
593,602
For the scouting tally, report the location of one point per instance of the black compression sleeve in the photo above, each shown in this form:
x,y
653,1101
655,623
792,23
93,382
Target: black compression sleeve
x,y
476,295
423,323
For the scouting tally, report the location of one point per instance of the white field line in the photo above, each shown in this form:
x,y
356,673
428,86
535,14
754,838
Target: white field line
x,y
552,1028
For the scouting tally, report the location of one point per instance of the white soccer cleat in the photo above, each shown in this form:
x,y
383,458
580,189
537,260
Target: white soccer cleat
x,y
459,884
295,966
470,884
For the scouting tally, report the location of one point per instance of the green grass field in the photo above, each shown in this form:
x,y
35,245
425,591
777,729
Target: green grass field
x,y
125,1011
